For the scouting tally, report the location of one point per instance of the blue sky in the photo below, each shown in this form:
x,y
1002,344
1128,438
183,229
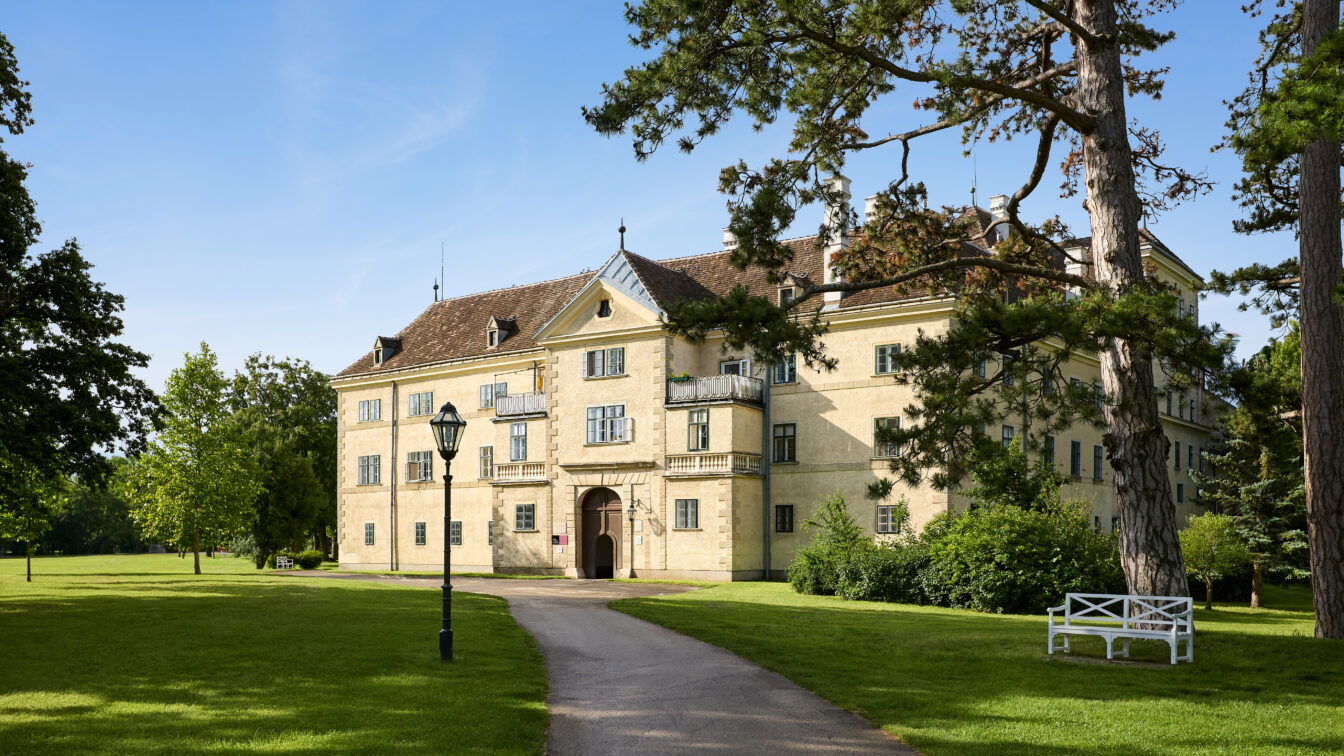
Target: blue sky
x,y
278,177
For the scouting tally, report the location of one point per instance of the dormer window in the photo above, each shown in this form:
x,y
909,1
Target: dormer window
x,y
492,337
787,294
497,330
385,348
604,308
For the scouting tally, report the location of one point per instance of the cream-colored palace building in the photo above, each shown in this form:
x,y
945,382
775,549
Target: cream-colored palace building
x,y
599,445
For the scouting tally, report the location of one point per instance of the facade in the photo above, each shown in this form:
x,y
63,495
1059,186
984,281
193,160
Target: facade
x,y
599,445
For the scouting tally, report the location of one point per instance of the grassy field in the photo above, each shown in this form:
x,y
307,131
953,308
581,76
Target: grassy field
x,y
955,682
134,654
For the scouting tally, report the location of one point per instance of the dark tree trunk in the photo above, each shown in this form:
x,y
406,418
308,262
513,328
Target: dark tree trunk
x,y
1150,551
1322,353
1208,593
1257,585
30,561
196,547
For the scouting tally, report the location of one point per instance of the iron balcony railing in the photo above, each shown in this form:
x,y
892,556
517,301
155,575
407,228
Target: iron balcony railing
x,y
520,404
711,388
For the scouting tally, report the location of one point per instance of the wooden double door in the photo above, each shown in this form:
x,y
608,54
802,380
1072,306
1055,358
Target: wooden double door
x,y
601,533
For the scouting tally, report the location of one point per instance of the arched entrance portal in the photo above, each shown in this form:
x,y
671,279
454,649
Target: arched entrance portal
x,y
601,533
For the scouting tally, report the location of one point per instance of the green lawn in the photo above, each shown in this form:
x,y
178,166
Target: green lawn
x,y
134,654
955,682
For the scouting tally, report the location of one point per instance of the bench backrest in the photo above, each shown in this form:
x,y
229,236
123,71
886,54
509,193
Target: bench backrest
x,y
283,562
1152,612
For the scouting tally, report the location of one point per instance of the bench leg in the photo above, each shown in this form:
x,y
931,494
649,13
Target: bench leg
x,y
1110,654
1125,648
1173,651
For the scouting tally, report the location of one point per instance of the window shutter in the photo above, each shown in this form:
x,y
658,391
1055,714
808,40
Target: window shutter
x,y
583,366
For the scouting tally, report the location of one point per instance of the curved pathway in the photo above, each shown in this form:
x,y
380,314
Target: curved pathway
x,y
621,685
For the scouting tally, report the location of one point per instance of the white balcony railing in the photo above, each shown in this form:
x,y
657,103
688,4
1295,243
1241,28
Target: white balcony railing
x,y
714,388
518,472
520,404
725,463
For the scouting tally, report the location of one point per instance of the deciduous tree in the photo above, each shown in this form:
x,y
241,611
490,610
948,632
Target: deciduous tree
x,y
1053,70
1213,548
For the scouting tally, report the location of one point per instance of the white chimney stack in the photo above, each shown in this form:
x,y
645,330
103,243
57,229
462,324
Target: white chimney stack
x,y
729,239
869,209
837,237
998,206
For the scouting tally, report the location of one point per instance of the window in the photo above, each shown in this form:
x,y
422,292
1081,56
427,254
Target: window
x,y
981,369
1076,459
517,442
1176,458
378,356
1115,523
487,462
1180,493
1180,308
1096,523
889,519
1048,387
1192,410
420,404
1168,403
419,466
1180,407
368,534
492,338
1097,395
697,437
786,442
687,514
1190,456
735,367
1048,451
490,533
787,370
419,534
492,391
787,294
370,410
455,533
608,425
599,363
1096,462
783,518
525,517
1199,455
370,473
1006,436
887,358
604,308
1006,367
882,448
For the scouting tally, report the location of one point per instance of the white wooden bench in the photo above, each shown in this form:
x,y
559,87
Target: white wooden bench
x,y
284,563
1111,616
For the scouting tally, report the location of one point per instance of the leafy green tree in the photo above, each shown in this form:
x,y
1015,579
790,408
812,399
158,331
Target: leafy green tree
x,y
1012,479
29,516
199,479
1048,70
291,497
1256,474
1213,547
297,406
96,521
837,539
69,391
1288,126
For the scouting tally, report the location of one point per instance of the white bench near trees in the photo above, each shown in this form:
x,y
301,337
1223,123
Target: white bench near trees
x,y
284,563
1111,616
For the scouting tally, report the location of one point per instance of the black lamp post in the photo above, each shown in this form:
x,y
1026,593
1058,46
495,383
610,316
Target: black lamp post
x,y
448,427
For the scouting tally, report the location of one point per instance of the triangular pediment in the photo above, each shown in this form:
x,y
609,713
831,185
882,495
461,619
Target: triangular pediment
x,y
616,282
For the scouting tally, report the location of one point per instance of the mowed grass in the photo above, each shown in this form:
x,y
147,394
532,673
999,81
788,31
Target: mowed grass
x,y
956,682
135,654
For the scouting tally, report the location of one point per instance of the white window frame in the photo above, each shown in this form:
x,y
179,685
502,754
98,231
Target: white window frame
x,y
603,363
697,430
607,424
420,403
491,392
421,534
735,367
886,359
1006,435
525,517
886,520
419,466
686,514
455,533
369,470
885,450
492,338
517,442
369,534
786,371
486,457
370,410
787,294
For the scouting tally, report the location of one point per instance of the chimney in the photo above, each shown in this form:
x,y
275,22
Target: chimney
x,y
998,206
998,210
837,237
729,239
869,209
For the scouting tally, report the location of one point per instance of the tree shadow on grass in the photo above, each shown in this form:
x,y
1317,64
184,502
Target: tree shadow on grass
x,y
327,669
965,683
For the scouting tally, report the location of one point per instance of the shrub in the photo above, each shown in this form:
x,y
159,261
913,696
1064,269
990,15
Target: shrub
x,y
310,559
242,547
1009,559
893,572
837,540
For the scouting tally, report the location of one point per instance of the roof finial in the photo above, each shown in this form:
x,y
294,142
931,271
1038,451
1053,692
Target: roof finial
x,y
436,290
622,232
973,179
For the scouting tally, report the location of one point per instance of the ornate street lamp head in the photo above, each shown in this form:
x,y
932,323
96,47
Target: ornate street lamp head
x,y
448,427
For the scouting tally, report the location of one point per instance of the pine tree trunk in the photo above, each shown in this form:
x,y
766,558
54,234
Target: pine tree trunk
x,y
196,547
1150,551
1257,585
1322,354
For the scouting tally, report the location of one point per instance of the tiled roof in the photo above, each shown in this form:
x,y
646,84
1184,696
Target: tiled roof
x,y
455,328
1145,235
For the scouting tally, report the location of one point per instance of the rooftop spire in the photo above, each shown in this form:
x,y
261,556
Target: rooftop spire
x,y
621,230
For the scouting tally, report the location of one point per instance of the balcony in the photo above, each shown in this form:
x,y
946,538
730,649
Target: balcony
x,y
715,388
519,472
516,405
707,464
